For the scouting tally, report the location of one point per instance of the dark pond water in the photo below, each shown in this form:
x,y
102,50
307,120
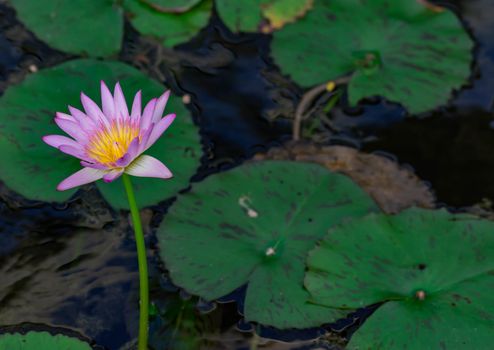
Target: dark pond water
x,y
74,265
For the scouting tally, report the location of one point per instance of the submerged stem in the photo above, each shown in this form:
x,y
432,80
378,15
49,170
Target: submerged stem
x,y
143,268
308,98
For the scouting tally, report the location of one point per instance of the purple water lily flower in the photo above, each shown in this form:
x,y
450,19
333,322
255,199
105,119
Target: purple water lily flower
x,y
111,141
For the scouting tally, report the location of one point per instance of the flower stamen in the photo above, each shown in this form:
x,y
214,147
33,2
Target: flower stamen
x,y
109,144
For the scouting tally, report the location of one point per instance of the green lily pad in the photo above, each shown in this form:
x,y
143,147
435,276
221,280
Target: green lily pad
x,y
171,6
40,341
241,15
83,27
433,270
390,48
281,12
33,169
249,15
170,28
254,225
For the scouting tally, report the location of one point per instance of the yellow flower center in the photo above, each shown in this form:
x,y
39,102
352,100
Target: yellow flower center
x,y
109,144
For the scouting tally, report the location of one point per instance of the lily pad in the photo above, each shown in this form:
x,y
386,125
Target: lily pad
x,y
75,26
434,272
171,6
254,225
40,341
33,169
388,48
170,28
241,15
281,12
250,15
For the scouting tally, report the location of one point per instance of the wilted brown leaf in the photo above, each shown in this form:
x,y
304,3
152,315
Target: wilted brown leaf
x,y
394,188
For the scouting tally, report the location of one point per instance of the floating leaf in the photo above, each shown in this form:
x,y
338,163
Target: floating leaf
x,y
33,169
83,27
281,12
241,15
170,28
255,224
171,6
40,341
249,15
434,272
390,48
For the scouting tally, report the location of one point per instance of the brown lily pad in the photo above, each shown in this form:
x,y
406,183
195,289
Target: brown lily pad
x,y
393,187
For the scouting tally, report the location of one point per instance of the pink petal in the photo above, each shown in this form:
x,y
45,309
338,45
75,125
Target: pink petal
x,y
107,101
147,115
147,166
160,106
59,140
65,116
94,165
136,106
83,120
77,152
120,104
77,114
72,129
159,129
130,155
91,108
144,139
112,175
82,177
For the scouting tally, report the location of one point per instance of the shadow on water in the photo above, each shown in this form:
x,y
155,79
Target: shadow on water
x,y
75,265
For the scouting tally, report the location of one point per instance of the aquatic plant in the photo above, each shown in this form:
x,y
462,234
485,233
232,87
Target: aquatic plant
x,y
431,271
383,48
110,142
254,225
26,114
40,341
64,24
261,15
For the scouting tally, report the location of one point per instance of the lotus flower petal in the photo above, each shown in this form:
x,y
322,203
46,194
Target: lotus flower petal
x,y
159,129
136,106
107,100
112,175
59,140
82,177
147,166
160,107
121,110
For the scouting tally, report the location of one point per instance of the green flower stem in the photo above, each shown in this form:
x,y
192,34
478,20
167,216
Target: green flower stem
x,y
143,267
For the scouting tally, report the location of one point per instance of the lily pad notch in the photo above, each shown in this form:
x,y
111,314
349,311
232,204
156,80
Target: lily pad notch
x,y
383,48
432,270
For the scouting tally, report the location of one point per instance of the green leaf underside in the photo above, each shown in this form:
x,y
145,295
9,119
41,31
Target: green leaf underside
x,y
34,169
64,24
403,41
40,341
170,28
215,238
390,258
